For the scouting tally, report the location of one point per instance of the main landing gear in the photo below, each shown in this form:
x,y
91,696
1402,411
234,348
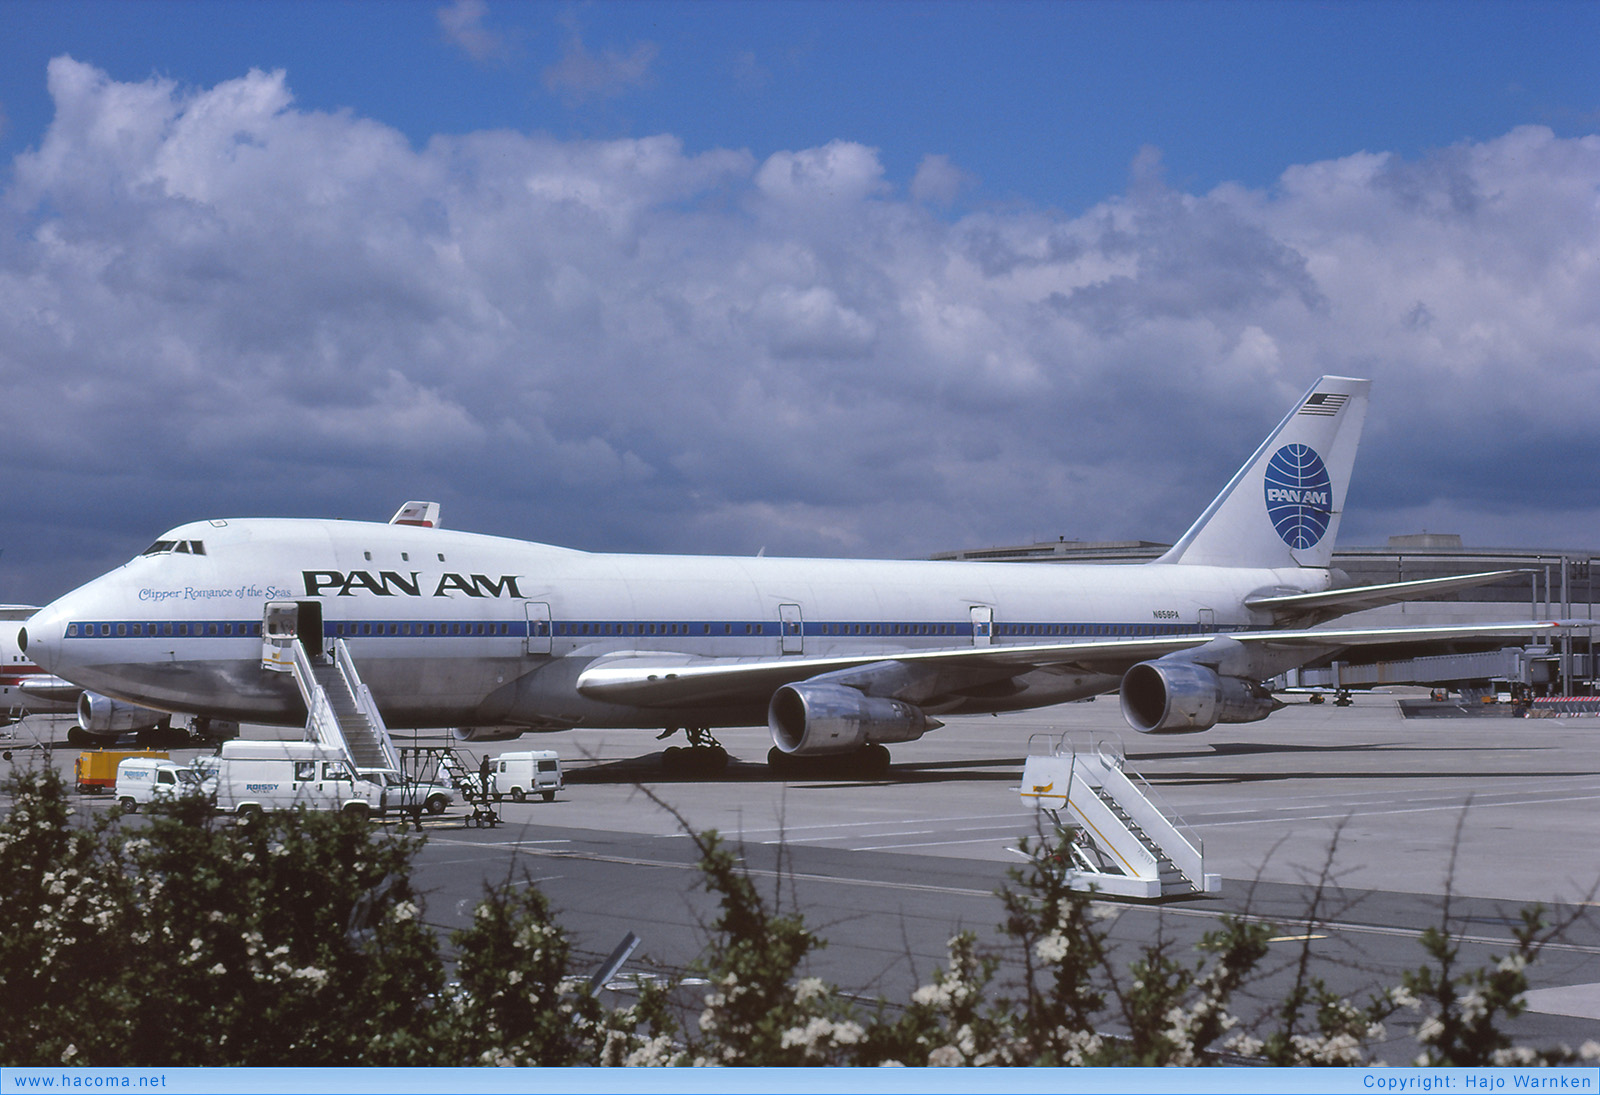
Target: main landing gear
x,y
705,756
868,762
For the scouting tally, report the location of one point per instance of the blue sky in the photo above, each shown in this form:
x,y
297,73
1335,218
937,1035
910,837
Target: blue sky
x,y
1041,102
814,278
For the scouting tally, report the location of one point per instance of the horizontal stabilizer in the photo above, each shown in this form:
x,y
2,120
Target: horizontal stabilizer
x,y
1337,602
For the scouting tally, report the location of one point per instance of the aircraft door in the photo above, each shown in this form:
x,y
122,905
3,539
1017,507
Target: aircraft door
x,y
282,624
539,629
791,630
309,631
278,625
1207,620
982,625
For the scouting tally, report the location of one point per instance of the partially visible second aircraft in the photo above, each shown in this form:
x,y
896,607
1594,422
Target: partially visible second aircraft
x,y
25,689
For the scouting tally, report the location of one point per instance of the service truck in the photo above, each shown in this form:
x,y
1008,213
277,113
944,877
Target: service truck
x,y
96,769
253,776
522,774
143,780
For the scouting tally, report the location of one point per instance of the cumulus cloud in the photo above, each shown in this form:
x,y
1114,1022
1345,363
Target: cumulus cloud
x,y
214,302
938,181
582,75
840,174
462,23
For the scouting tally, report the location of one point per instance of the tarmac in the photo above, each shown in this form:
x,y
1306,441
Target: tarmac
x,y
1349,828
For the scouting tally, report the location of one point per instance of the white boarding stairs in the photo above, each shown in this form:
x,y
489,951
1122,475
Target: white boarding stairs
x,y
340,710
1132,850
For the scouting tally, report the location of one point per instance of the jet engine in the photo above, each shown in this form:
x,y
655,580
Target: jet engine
x,y
1180,697
486,733
107,717
809,720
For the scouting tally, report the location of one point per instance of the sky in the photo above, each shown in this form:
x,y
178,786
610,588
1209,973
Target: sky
x,y
860,279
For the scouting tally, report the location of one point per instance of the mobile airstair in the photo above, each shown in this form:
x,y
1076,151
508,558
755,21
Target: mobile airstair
x,y
340,710
1116,839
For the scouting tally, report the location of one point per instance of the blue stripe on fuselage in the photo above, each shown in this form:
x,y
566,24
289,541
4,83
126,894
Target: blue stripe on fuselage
x,y
652,629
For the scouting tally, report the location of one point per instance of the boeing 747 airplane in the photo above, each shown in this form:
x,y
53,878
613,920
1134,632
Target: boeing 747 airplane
x,y
494,637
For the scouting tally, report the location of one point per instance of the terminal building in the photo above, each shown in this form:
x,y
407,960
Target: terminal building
x,y
1549,584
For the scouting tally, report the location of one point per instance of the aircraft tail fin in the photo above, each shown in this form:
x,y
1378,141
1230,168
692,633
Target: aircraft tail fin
x,y
1282,509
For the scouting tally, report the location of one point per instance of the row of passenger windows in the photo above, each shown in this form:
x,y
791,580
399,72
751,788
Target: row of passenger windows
x,y
896,629
792,627
353,630
153,630
226,628
646,629
1047,630
540,627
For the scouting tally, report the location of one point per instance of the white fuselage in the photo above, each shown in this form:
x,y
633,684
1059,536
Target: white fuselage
x,y
459,629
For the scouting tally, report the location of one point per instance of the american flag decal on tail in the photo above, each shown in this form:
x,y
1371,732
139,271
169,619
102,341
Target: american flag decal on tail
x,y
1325,404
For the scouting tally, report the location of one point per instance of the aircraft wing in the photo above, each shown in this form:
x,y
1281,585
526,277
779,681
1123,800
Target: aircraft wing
x,y
651,678
657,679
1338,602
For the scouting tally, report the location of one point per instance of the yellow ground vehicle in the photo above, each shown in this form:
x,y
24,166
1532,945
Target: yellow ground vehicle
x,y
96,769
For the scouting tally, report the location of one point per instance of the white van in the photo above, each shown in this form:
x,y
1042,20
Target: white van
x,y
410,795
143,780
522,774
253,776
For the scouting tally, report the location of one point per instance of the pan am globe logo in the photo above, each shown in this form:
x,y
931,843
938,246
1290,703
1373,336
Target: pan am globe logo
x,y
1299,495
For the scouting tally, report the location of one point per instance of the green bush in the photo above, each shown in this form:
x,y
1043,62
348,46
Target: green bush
x,y
194,941
296,939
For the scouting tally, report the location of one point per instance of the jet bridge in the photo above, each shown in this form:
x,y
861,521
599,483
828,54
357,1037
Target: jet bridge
x,y
1118,840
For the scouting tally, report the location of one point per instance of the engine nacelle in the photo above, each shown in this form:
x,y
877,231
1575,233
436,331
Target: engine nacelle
x,y
486,733
1180,697
813,720
107,717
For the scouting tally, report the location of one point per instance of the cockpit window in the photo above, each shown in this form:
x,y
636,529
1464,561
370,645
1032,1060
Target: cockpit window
x,y
182,547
